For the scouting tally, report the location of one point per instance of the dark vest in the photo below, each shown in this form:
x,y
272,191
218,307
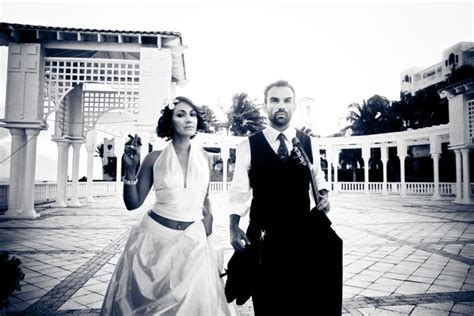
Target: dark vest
x,y
280,190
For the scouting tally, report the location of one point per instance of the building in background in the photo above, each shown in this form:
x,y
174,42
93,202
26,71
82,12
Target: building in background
x,y
417,78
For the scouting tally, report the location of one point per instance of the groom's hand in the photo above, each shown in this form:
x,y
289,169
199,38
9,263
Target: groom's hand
x,y
324,204
238,238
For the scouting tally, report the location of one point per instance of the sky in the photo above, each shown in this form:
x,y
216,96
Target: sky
x,y
336,52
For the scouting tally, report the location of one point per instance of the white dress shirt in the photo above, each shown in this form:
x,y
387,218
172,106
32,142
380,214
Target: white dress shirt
x,y
240,192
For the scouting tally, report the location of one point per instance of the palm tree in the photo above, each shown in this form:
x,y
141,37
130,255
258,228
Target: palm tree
x,y
212,123
244,116
374,116
424,109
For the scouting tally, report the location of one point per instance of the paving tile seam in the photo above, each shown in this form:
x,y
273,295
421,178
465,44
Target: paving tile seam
x,y
62,292
353,303
450,242
78,227
410,222
428,243
429,209
51,252
419,246
412,299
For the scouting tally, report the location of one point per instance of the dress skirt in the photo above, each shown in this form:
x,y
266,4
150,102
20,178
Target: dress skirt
x,y
163,271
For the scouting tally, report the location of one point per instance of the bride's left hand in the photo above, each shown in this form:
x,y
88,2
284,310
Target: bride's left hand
x,y
207,221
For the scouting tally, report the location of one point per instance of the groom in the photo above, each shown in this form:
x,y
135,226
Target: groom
x,y
298,261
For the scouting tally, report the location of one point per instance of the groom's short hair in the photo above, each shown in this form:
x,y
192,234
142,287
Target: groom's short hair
x,y
278,83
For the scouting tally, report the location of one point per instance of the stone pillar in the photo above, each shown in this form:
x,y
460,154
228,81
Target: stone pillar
x,y
457,153
402,154
30,165
466,185
329,150
225,158
66,170
335,160
90,148
61,182
90,175
366,158
435,157
16,186
384,159
76,149
119,148
435,150
155,85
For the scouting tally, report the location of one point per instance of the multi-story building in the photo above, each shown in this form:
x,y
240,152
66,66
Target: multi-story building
x,y
416,78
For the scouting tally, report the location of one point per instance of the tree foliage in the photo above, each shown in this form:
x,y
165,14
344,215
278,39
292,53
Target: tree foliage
x,y
374,116
244,116
424,109
213,125
11,276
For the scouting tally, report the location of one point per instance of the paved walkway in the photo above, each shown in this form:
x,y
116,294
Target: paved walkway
x,y
401,257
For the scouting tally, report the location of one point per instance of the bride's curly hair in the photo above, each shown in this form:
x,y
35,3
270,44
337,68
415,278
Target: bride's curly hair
x,y
164,129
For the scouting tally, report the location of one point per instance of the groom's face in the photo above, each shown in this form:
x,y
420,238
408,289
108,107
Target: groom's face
x,y
280,105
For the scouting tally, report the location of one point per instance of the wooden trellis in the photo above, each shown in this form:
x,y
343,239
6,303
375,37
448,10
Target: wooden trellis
x,y
63,74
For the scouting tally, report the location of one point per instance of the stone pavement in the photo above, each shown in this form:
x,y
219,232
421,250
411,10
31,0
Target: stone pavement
x,y
411,256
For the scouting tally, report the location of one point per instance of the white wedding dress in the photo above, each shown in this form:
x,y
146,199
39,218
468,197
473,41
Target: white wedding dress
x,y
163,271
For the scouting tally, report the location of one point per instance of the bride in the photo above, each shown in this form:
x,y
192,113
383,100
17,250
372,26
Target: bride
x,y
169,265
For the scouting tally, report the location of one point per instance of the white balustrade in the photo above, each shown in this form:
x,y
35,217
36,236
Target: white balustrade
x,y
46,191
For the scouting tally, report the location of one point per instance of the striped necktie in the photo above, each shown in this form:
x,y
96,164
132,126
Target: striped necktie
x,y
282,149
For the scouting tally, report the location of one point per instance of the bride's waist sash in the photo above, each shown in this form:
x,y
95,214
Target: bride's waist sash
x,y
179,204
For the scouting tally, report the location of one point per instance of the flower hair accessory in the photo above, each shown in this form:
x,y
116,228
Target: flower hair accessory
x,y
170,103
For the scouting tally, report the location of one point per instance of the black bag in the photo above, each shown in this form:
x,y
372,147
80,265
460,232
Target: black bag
x,y
242,271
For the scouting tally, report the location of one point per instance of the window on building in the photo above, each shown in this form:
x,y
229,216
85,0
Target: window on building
x,y
470,110
451,59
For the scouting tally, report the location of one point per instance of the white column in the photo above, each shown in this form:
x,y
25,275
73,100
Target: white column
x,y
366,158
335,160
90,175
66,170
119,148
466,192
329,150
403,188
435,157
384,159
16,166
435,150
402,154
224,157
30,165
90,148
76,147
457,153
61,176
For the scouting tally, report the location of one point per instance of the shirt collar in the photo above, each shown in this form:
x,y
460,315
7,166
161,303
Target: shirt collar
x,y
272,133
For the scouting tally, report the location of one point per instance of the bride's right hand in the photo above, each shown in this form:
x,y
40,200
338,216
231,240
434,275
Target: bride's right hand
x,y
131,156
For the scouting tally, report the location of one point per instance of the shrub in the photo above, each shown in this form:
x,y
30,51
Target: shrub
x,y
11,276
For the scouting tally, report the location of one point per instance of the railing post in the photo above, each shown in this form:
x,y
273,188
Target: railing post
x,y
466,194
384,159
366,158
29,191
457,153
16,182
402,154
